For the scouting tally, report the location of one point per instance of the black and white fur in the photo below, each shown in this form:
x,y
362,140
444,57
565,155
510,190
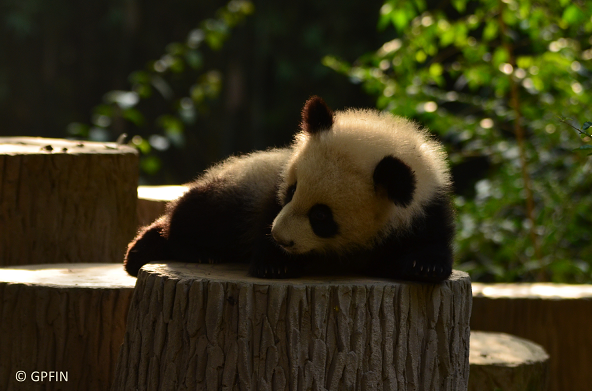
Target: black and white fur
x,y
357,192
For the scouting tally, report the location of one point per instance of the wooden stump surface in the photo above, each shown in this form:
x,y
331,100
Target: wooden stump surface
x,y
505,362
211,327
65,318
555,316
65,201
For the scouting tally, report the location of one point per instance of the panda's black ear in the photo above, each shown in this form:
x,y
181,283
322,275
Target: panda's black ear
x,y
316,116
397,178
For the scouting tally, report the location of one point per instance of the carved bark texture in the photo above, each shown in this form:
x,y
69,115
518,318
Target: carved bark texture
x,y
152,201
68,318
211,327
555,316
504,362
65,201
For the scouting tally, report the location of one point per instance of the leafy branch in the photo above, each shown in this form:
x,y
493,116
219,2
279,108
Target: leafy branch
x,y
120,108
583,134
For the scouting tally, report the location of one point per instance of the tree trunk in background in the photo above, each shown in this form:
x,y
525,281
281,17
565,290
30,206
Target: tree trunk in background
x,y
555,316
65,318
65,201
504,362
211,327
152,201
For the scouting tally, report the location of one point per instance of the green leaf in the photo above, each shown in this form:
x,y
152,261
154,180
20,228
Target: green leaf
x,y
401,19
150,164
587,148
573,15
78,129
490,31
586,125
524,62
134,116
436,70
194,59
447,36
143,90
420,56
176,49
170,124
500,56
139,77
104,109
460,5
142,144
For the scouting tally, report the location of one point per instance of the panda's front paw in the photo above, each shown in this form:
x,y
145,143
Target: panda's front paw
x,y
272,268
423,270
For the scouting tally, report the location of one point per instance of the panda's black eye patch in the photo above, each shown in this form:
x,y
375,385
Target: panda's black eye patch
x,y
321,221
290,193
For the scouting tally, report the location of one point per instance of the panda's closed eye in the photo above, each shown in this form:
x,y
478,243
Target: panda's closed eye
x,y
321,221
318,214
290,193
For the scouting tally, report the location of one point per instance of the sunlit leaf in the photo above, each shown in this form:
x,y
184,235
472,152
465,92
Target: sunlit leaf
x,y
460,5
573,15
491,30
142,144
500,56
170,124
586,148
150,164
401,18
134,116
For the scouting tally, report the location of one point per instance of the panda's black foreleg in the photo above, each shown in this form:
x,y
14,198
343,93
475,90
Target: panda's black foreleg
x,y
430,264
270,261
149,245
206,223
424,253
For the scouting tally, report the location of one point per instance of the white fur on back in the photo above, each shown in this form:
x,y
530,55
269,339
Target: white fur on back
x,y
258,171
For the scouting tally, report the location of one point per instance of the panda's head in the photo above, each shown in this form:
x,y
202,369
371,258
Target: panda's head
x,y
353,178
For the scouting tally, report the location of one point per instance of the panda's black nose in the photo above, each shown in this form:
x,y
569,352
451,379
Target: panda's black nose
x,y
283,242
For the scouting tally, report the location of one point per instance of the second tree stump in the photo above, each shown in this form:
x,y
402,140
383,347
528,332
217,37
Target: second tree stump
x,y
65,201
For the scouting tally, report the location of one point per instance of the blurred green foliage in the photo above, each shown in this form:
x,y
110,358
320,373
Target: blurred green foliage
x,y
161,77
496,80
61,58
493,79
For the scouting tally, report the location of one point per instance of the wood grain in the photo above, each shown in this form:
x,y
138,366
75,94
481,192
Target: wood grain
x,y
65,201
505,362
555,316
211,327
67,318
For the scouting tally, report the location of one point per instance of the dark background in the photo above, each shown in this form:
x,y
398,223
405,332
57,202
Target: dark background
x,y
59,58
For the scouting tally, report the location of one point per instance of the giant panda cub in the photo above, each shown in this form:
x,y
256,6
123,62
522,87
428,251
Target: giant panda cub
x,y
358,191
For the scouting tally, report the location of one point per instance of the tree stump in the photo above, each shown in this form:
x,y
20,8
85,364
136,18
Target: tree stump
x,y
62,325
212,327
65,201
555,316
152,201
504,362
